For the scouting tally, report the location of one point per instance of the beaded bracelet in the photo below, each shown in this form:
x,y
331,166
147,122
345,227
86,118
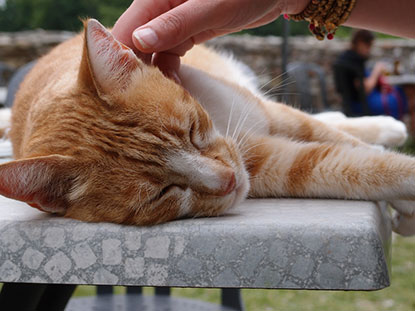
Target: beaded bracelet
x,y
324,16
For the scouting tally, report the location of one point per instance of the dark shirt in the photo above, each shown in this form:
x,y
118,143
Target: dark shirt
x,y
349,74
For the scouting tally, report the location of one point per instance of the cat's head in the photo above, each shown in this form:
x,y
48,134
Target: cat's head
x,y
150,154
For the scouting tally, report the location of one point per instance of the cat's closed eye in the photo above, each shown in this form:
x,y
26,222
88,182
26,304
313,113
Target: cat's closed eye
x,y
199,139
192,134
170,188
195,138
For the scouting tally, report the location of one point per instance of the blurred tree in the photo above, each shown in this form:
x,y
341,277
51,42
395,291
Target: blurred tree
x,y
275,29
60,14
13,15
57,14
109,13
64,15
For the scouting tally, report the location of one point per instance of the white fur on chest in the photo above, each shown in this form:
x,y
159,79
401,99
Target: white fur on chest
x,y
231,111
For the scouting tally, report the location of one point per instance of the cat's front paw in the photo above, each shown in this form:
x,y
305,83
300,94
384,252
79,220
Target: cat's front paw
x,y
5,117
392,133
403,225
403,221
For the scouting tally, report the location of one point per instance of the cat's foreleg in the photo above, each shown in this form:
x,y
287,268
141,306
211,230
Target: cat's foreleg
x,y
378,130
292,123
281,167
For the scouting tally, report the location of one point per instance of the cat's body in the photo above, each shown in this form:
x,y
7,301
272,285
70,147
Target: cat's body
x,y
102,137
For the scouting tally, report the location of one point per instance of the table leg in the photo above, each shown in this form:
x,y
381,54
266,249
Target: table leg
x,y
410,95
55,297
231,297
35,297
21,296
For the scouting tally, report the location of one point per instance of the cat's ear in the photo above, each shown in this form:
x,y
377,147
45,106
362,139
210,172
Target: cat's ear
x,y
41,182
109,62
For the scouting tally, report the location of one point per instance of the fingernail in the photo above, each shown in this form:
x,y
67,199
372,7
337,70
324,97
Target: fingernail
x,y
146,37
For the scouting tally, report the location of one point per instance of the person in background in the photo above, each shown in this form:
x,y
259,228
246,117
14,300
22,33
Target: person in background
x,y
365,92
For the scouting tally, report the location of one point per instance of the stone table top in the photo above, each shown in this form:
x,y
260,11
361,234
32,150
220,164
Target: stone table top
x,y
265,243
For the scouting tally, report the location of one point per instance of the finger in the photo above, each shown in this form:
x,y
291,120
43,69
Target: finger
x,y
268,18
169,61
181,49
169,64
139,13
176,26
210,34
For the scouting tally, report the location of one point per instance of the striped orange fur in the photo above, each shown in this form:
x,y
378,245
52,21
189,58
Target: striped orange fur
x,y
100,136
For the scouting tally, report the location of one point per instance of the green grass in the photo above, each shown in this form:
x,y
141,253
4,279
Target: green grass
x,y
400,296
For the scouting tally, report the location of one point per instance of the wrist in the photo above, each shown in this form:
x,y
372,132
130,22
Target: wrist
x,y
375,76
294,6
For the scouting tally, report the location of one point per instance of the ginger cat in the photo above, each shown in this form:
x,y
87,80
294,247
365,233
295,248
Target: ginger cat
x,y
100,136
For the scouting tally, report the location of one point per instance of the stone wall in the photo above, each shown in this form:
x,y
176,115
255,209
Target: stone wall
x,y
262,54
18,48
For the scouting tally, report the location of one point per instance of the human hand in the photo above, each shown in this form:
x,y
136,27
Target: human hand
x,y
169,28
380,68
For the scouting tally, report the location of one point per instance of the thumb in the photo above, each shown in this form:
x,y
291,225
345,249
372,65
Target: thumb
x,y
174,27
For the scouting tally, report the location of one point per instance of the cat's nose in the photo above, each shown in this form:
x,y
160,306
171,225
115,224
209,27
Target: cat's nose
x,y
229,183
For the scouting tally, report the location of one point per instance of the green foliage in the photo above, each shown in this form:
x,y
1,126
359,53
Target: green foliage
x,y
64,15
18,15
108,14
300,29
346,32
276,29
57,14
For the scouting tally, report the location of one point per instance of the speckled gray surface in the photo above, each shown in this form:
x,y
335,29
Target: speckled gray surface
x,y
268,243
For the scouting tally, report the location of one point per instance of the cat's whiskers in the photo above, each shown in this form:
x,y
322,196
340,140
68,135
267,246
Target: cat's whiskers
x,y
260,76
139,194
257,178
255,80
253,146
277,77
285,93
241,115
281,85
148,196
242,119
264,73
277,87
197,215
242,140
230,118
141,203
262,87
